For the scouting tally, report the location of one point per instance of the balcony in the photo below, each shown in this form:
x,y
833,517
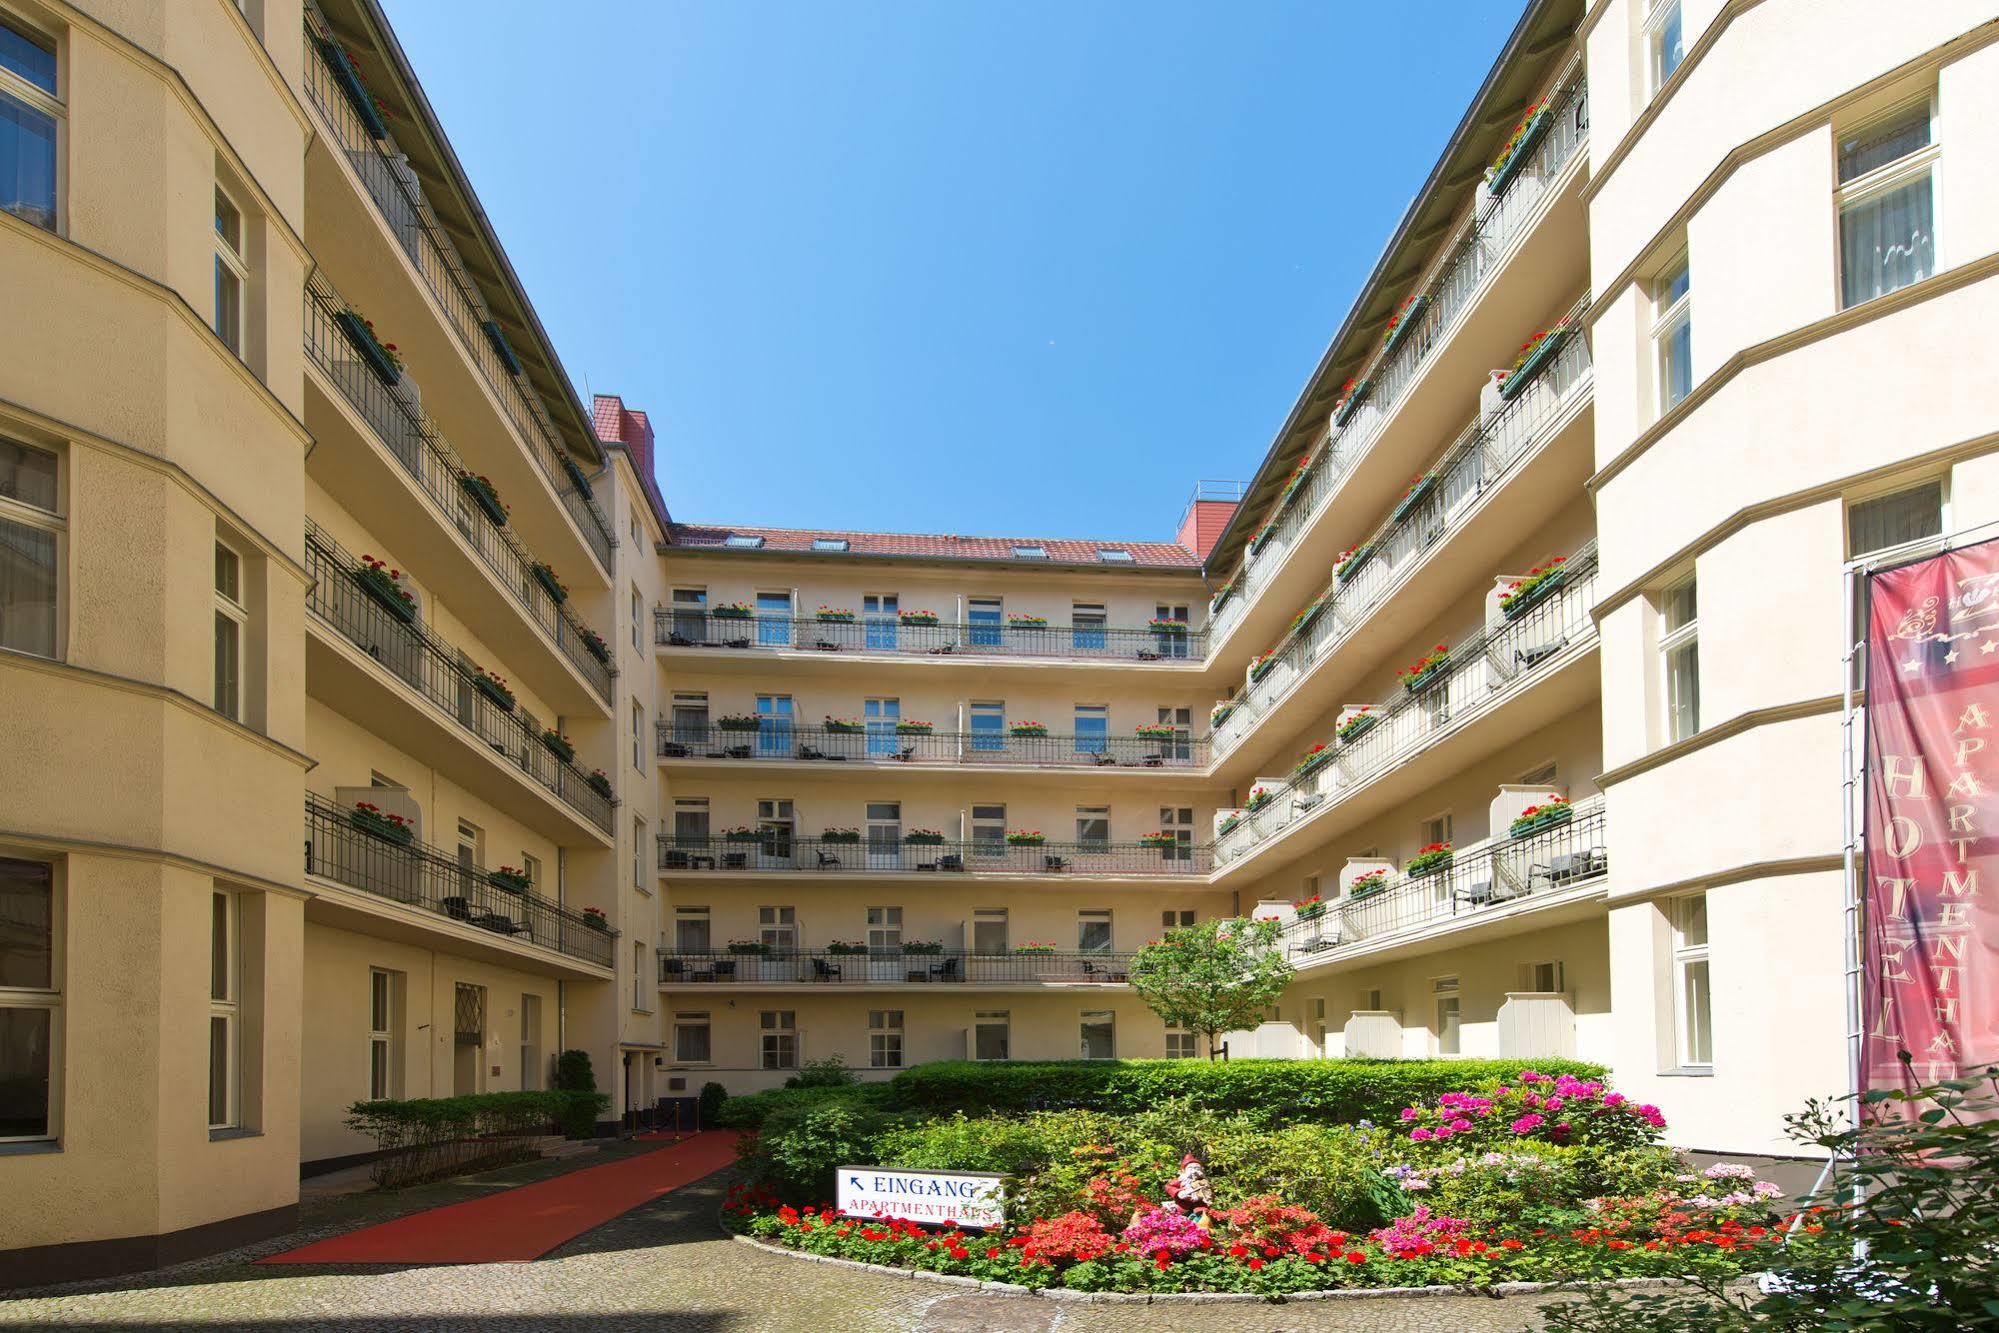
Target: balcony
x,y
893,968
696,628
426,878
405,649
394,413
1460,491
399,199
1492,882
769,852
777,741
1462,280
1468,693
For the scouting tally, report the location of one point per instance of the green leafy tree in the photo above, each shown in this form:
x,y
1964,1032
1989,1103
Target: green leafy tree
x,y
1212,977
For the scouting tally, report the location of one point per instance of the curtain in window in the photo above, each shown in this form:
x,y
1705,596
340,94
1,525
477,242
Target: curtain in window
x,y
1887,242
1892,520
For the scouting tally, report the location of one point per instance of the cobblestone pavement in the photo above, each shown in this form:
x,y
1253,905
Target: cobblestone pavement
x,y
664,1266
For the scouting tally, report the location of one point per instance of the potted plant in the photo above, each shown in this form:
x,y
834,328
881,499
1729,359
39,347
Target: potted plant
x,y
1535,354
1367,885
594,918
840,835
909,726
600,782
1166,626
1541,580
370,109
1026,622
1304,619
749,948
559,743
1310,909
917,617
509,879
740,833
496,338
837,614
1020,837
738,722
371,818
844,726
1260,666
577,478
1314,759
1220,713
1162,838
923,946
1216,602
1352,394
1514,153
385,586
1350,562
923,837
1157,731
1554,810
1028,729
1297,479
1357,726
731,611
1426,670
1034,947
1429,860
557,591
1227,826
485,495
1403,320
594,643
380,357
1419,487
494,688
845,947
1258,798
1262,537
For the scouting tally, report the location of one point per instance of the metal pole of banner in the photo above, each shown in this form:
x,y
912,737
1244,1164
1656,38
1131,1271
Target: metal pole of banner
x,y
1853,768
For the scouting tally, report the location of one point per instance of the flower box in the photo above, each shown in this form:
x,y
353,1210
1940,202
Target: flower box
x,y
496,337
1034,948
379,356
1220,714
1357,726
1533,589
923,837
1021,838
1258,798
844,726
1415,495
1311,909
740,834
508,880
1167,627
1537,817
560,745
1297,480
356,92
384,588
483,495
1315,758
1350,563
1430,860
1028,729
1262,537
600,783
1261,666
389,828
924,947
731,611
1404,320
549,583
594,918
1156,731
912,728
1228,825
847,835
1356,394
593,642
1534,358
835,615
1303,620
917,617
1420,681
1366,886
495,690
576,478
748,948
846,948
737,722
1027,622
1514,157
1220,599
1159,839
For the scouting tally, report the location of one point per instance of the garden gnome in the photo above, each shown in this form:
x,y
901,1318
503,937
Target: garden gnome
x,y
1191,1189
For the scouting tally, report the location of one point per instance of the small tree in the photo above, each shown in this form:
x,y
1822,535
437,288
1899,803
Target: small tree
x,y
1212,977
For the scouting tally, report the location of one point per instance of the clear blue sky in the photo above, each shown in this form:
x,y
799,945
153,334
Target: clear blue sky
x,y
988,268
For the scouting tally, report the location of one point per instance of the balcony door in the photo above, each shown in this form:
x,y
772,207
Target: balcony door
x,y
774,717
1170,644
884,835
989,728
777,830
690,613
774,619
879,613
984,624
1180,748
1177,822
881,716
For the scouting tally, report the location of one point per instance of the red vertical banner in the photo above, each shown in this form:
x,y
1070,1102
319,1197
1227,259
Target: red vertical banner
x,y
1930,952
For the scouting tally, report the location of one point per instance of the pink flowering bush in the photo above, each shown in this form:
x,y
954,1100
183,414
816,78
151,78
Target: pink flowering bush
x,y
1165,1231
1419,1233
1562,1109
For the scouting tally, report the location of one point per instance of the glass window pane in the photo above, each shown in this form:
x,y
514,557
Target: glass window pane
x,y
27,589
228,306
29,55
1887,242
228,222
1681,605
218,1070
1697,1011
218,947
1891,520
1447,1025
27,924
24,1072
378,1069
1676,363
1670,42
227,573
28,474
1691,921
27,163
1882,144
228,651
1683,691
990,1040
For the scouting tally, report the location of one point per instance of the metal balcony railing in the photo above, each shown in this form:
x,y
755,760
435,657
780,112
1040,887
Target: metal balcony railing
x,y
693,627
893,967
423,876
888,854
386,174
1458,279
1477,463
883,743
1480,675
416,656
1497,872
396,416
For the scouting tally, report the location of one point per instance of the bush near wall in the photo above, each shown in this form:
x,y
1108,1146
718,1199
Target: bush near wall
x,y
753,1110
426,1138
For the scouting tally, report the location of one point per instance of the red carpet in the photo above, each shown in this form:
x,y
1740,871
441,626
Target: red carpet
x,y
526,1222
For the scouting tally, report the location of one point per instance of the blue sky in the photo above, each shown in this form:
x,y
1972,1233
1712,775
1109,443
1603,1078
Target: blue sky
x,y
998,268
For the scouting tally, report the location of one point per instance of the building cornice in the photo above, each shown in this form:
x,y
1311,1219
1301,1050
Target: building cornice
x,y
125,851
1795,865
1738,725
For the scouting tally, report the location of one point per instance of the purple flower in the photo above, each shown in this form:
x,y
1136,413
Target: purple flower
x,y
1420,1135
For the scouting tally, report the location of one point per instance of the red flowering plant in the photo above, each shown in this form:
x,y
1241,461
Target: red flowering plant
x,y
836,613
1258,798
1409,310
1552,810
1512,144
1418,672
1351,559
1297,478
1367,884
1429,859
1311,760
1077,1237
1357,722
1533,345
1263,535
386,583
1352,394
1027,621
1522,592
917,617
1260,665
1308,908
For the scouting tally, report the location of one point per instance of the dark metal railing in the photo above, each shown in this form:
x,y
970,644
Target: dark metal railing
x,y
881,743
777,851
431,667
894,967
401,424
694,628
393,185
423,876
1500,871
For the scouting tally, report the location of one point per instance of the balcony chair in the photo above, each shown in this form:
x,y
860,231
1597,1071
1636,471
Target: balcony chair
x,y
1528,657
1473,895
696,861
675,860
678,640
672,969
1152,761
907,753
1102,973
734,643
735,860
1303,805
951,861
826,645
809,752
825,971
1054,865
458,909
943,650
946,970
674,750
827,859
500,924
1147,655
1103,759
725,969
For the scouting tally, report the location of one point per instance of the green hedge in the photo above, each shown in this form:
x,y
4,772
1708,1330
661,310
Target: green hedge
x,y
751,1110
1274,1091
422,1138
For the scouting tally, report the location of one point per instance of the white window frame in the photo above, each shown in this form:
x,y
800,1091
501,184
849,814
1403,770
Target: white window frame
x,y
36,99
229,258
1890,176
884,930
885,1038
645,983
1685,957
231,610
1096,1018
774,1028
226,1008
1671,314
687,1021
992,1018
52,522
989,917
48,998
384,1043
639,857
1181,1037
1656,74
1442,989
1672,642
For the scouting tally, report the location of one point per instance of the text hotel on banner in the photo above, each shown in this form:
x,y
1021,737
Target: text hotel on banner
x,y
945,1198
1930,955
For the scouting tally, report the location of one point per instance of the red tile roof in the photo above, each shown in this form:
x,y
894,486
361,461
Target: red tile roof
x,y
929,546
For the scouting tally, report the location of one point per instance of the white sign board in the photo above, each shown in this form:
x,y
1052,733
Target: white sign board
x,y
944,1198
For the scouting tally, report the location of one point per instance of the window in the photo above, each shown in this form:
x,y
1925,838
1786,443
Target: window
x,y
774,619
989,931
882,620
29,528
1370,1000
228,632
384,1050
881,716
1099,1032
231,274
777,928
690,718
1680,645
742,541
531,1065
1888,521
988,726
1030,553
531,867
1542,978
638,615
1541,775
885,930
988,830
1093,931
642,985
1672,333
28,114
690,822
1175,919
884,834
1093,729
1087,623
774,717
982,621
224,1010
1180,1044
1887,204
638,729
691,930
1666,37
1177,823
777,823
638,854
690,1039
1170,644
885,1038
779,1030
1093,828
1180,745
30,995
690,614
471,845
829,543
1114,557
1444,991
1693,1000
1435,829
991,1035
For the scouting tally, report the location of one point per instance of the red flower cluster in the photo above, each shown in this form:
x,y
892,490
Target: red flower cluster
x,y
1435,657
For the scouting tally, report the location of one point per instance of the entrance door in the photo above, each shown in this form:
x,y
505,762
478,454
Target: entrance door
x,y
468,1048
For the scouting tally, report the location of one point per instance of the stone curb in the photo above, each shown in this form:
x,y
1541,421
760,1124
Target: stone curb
x,y
1202,1297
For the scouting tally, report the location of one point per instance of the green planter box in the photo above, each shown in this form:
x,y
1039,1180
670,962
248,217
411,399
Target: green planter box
x,y
549,584
1312,913
382,589
1025,842
1367,891
1526,828
371,823
373,354
597,923
1537,361
597,648
1417,494
1516,161
910,619
560,748
497,338
600,784
1354,563
499,696
576,478
1522,602
1435,865
924,839
1408,321
486,498
1424,679
356,92
1358,727
1353,403
507,883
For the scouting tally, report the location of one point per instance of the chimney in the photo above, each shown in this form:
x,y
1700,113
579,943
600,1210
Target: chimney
x,y
1201,524
618,424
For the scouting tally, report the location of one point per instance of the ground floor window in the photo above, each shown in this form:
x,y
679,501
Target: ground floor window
x,y
992,1037
1179,1044
1099,1035
30,1000
885,1039
690,1039
384,1062
780,1038
1693,1001
1449,1015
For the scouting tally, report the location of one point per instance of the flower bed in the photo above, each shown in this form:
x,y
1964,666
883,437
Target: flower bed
x,y
923,947
1535,354
1221,598
1554,810
1430,860
385,586
1027,622
1262,537
1297,479
485,495
1159,838
1539,583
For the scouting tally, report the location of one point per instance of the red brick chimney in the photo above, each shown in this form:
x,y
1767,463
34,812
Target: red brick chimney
x,y
1207,514
618,424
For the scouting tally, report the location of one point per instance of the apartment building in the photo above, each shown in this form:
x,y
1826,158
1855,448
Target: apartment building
x,y
375,730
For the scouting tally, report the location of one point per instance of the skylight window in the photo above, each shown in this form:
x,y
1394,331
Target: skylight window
x,y
1030,553
743,541
1114,556
829,543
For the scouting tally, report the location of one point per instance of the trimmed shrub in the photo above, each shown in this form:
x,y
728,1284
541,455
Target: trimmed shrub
x,y
573,1072
800,1148
713,1095
427,1138
832,1072
751,1110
